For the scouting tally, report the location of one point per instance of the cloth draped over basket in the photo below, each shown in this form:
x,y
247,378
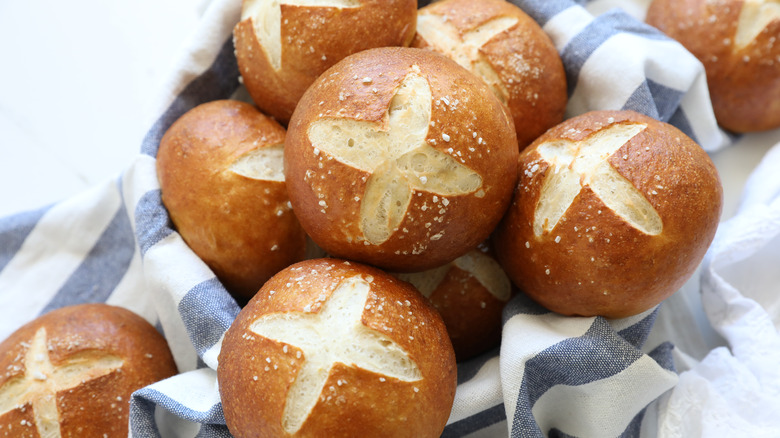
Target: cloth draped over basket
x,y
552,376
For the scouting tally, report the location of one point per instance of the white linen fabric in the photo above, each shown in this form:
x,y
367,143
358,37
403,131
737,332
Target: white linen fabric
x,y
735,390
552,376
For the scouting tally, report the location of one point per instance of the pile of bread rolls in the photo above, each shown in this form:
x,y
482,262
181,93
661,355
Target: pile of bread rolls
x,y
425,153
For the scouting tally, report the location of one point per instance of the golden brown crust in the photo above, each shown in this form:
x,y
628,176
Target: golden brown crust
x,y
242,227
593,262
313,39
468,124
470,297
255,373
522,55
95,406
471,313
744,82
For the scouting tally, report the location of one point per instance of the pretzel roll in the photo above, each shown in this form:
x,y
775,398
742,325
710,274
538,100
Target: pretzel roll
x,y
737,41
400,158
469,293
334,348
71,371
283,45
221,175
613,213
501,44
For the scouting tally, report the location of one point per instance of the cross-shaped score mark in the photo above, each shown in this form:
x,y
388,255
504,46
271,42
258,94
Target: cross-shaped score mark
x,y
333,335
575,165
754,17
465,48
266,16
42,381
264,164
396,155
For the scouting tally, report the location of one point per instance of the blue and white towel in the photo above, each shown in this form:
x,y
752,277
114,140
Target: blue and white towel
x,y
553,375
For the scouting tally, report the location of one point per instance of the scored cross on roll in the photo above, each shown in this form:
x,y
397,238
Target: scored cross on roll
x,y
71,372
400,158
501,44
283,45
334,348
612,213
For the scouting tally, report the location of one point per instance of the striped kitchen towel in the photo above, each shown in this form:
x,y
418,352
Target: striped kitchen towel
x,y
553,375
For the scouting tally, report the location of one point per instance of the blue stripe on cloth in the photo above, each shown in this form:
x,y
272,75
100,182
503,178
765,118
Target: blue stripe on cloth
x,y
102,269
636,335
469,368
603,27
159,327
632,431
543,10
476,422
207,311
139,409
142,424
634,428
555,433
151,220
521,303
14,230
598,354
666,99
219,81
681,122
655,100
213,431
662,354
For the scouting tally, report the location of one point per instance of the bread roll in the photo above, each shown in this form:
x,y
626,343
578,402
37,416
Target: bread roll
x,y
221,175
613,213
334,348
400,158
283,45
71,371
500,43
737,41
469,293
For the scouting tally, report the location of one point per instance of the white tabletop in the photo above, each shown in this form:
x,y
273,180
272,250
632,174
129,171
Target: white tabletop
x,y
74,82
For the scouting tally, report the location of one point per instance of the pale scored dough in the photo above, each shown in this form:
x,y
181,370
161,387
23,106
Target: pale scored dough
x,y
398,157
754,17
574,165
265,164
42,381
267,20
333,335
464,48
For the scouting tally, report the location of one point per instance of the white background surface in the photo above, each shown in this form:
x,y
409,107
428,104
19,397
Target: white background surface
x,y
76,78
